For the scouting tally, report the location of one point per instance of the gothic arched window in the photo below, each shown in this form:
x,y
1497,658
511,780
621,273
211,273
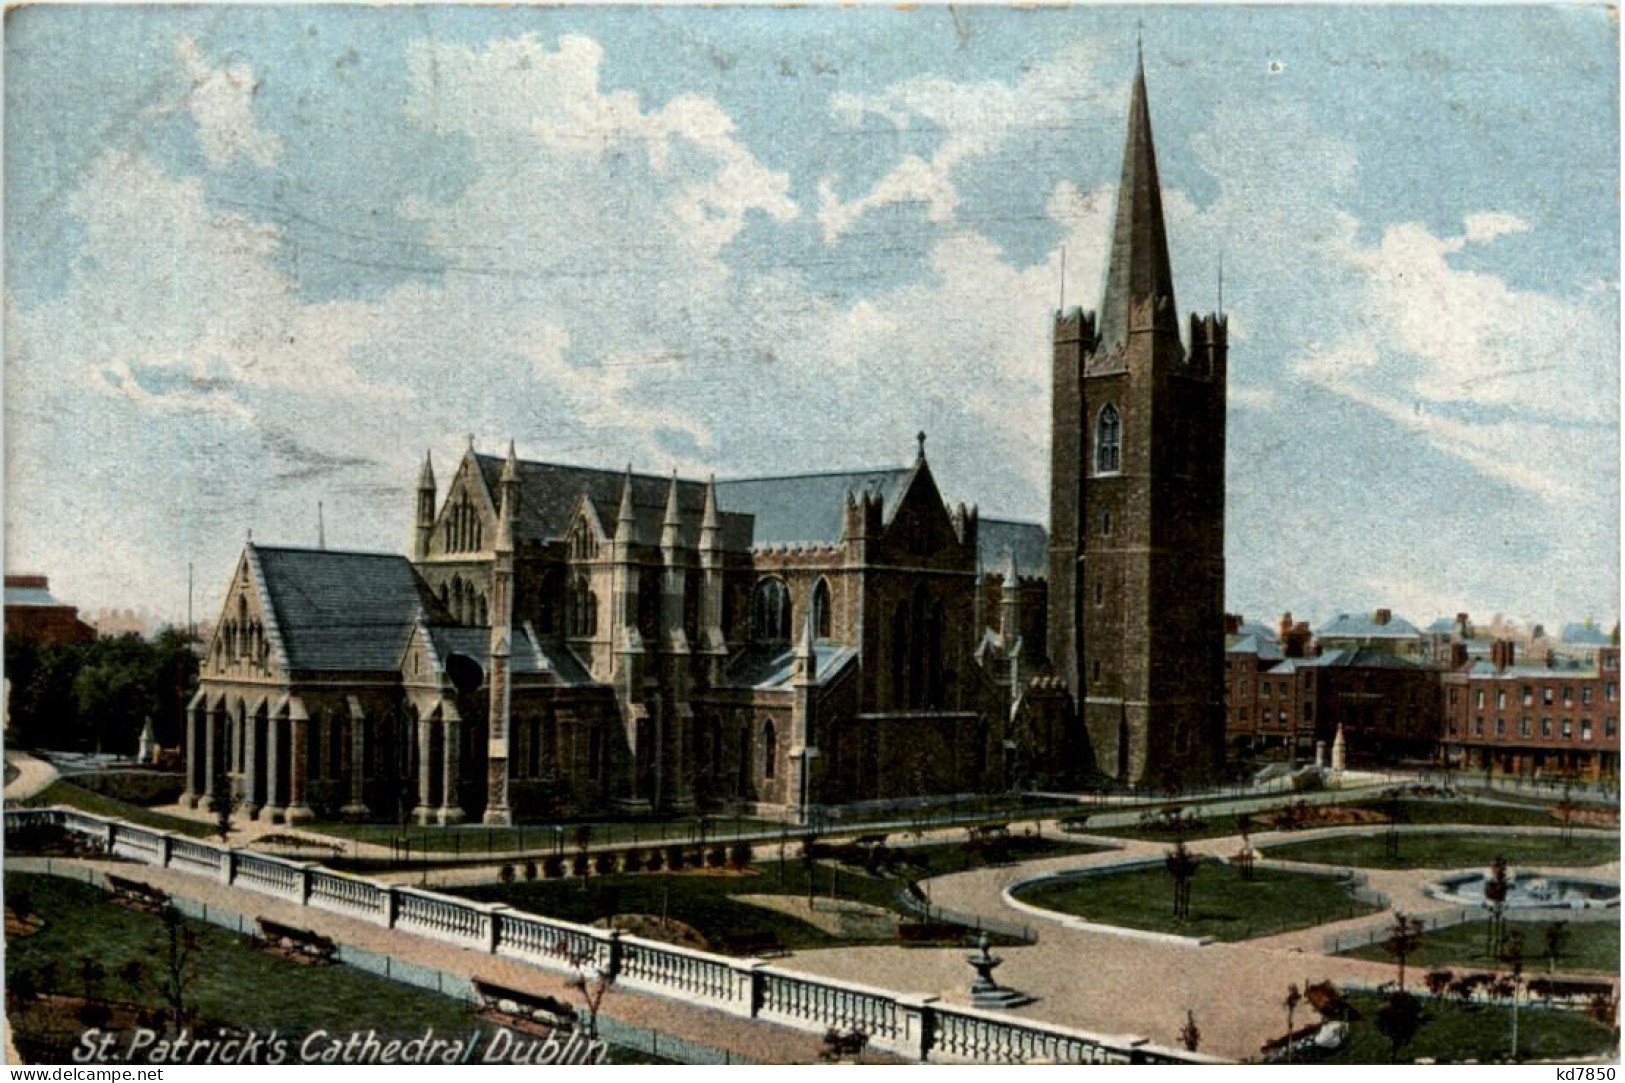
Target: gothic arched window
x,y
770,612
821,610
770,749
1108,441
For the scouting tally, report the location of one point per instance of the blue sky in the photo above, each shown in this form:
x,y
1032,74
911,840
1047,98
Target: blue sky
x,y
261,257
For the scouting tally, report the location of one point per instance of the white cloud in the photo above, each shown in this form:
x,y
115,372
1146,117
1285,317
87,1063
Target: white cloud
x,y
1488,225
221,101
972,120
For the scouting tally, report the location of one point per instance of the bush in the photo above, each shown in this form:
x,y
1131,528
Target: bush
x,y
580,864
507,874
632,861
716,857
740,855
604,863
656,861
674,857
553,866
135,787
530,870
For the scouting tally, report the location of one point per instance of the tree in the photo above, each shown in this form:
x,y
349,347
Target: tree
x,y
1398,1020
178,965
1293,998
1512,955
1394,808
1190,1036
1566,808
1556,939
1495,896
1438,981
1182,866
1404,937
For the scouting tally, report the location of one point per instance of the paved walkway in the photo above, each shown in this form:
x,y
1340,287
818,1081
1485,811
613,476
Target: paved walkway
x,y
1111,983
754,1040
33,775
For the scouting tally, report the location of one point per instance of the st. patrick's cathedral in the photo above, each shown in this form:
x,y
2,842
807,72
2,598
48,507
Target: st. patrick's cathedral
x,y
561,640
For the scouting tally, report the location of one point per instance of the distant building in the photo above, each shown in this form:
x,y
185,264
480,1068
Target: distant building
x,y
1542,719
1379,631
33,613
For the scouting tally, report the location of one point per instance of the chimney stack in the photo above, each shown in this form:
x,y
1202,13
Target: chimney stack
x,y
1384,616
1232,623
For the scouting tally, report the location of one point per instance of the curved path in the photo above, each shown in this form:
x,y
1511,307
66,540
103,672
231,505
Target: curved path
x,y
33,775
1109,982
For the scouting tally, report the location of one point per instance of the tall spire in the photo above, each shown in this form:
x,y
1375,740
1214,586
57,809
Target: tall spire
x,y
1139,271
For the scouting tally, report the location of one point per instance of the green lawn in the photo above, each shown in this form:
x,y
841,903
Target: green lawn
x,y
701,900
1424,851
1223,905
532,838
1591,947
1486,813
1453,1032
236,984
63,792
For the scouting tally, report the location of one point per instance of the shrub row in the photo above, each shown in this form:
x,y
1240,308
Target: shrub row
x,y
675,857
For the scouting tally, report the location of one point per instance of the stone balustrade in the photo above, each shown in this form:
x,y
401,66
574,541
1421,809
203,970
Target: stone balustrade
x,y
441,917
919,1027
347,895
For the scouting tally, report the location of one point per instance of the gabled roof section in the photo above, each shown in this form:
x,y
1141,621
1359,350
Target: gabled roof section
x,y
1028,541
335,610
808,508
1265,648
1365,626
1364,658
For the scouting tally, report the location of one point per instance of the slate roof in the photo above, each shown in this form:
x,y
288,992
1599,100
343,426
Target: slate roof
x,y
525,655
774,667
1265,648
807,508
1365,626
996,537
1364,658
1585,634
549,494
337,610
30,596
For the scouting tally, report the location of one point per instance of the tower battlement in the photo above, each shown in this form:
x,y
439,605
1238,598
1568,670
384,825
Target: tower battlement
x,y
1075,325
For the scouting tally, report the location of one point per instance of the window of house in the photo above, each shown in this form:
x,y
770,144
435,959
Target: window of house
x,y
1545,727
1500,699
1500,728
1108,441
1528,695
1478,700
1610,691
1585,729
1608,725
1523,727
1585,694
1568,695
1478,726
1568,728
1546,695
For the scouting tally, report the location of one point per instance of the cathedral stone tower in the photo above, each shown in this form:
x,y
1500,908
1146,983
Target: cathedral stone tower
x,y
1137,503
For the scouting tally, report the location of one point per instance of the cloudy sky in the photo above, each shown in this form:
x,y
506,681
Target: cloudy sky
x,y
262,257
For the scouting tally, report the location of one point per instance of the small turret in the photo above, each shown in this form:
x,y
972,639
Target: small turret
x,y
671,525
711,520
806,657
423,522
508,512
625,521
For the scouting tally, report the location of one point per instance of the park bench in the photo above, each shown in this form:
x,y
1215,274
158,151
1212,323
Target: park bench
x,y
296,944
135,895
530,1012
